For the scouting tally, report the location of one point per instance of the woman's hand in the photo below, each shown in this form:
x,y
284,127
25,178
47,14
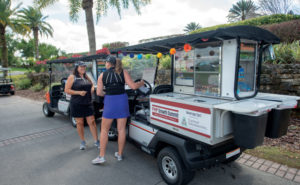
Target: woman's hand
x,y
82,93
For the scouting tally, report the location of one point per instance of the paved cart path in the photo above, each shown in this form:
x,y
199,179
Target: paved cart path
x,y
39,150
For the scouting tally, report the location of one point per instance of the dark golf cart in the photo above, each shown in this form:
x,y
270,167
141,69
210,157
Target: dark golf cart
x,y
6,83
57,101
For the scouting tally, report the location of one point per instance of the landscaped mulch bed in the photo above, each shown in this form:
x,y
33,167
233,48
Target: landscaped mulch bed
x,y
38,96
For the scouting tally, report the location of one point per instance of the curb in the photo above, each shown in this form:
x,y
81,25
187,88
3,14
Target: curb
x,y
271,167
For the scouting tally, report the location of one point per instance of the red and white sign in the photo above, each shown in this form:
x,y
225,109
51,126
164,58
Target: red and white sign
x,y
183,116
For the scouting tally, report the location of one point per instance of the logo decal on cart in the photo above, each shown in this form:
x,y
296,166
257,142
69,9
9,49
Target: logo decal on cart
x,y
183,116
183,123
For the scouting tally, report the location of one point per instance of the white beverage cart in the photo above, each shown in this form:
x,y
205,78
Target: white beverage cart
x,y
212,110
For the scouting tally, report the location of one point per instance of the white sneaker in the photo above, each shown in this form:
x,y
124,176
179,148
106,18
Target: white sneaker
x,y
98,160
82,145
119,157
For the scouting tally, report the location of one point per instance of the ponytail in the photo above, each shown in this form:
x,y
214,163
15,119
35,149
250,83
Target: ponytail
x,y
118,66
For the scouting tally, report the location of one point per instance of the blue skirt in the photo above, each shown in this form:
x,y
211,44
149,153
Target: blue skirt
x,y
116,106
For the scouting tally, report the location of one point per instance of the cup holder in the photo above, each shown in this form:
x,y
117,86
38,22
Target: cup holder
x,y
199,101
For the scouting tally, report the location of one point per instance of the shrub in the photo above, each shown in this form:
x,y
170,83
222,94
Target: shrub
x,y
287,53
165,62
37,87
286,31
42,78
263,20
23,84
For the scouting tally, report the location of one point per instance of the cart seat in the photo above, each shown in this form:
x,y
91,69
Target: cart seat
x,y
162,89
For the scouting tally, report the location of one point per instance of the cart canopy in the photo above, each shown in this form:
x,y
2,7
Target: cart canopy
x,y
243,32
87,58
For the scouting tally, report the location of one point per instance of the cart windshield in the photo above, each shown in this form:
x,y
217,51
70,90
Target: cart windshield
x,y
63,70
141,68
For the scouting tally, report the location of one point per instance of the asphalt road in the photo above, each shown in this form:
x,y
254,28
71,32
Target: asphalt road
x,y
55,158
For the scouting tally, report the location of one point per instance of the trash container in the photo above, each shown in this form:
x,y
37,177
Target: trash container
x,y
278,121
249,130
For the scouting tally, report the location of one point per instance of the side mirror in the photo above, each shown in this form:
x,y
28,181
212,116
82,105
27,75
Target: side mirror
x,y
268,53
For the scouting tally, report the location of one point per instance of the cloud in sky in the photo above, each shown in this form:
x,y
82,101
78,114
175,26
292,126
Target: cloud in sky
x,y
157,19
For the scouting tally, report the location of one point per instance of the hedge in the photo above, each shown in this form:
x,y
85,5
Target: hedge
x,y
259,21
288,32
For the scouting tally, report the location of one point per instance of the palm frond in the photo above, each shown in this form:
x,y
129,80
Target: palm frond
x,y
43,3
101,8
75,7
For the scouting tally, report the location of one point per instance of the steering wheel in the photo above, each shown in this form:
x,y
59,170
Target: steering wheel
x,y
147,85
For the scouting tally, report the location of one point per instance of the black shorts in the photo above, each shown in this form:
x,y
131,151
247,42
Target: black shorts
x,y
81,111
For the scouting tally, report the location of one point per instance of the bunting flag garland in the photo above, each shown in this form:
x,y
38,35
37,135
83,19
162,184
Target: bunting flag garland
x,y
172,51
187,47
140,56
159,55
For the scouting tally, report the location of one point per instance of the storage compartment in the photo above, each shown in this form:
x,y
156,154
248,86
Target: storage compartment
x,y
277,124
249,131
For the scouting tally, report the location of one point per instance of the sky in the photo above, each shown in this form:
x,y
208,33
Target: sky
x,y
160,18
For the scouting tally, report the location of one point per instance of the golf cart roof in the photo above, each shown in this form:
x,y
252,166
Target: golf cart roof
x,y
75,59
4,69
243,32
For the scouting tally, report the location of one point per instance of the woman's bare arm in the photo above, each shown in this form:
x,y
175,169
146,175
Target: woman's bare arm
x,y
130,82
100,86
68,87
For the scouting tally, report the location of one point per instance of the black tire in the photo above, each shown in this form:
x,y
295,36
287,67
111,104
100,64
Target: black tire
x,y
46,110
112,135
171,168
12,93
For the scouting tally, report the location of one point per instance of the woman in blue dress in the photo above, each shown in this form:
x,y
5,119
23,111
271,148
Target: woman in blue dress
x,y
111,85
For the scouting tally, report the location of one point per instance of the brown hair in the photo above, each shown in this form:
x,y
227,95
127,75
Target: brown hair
x,y
76,73
118,66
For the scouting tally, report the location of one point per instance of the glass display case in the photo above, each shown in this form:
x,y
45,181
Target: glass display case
x,y
208,69
184,68
200,68
247,70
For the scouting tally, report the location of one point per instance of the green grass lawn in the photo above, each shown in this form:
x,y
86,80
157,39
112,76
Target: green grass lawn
x,y
277,154
18,69
18,77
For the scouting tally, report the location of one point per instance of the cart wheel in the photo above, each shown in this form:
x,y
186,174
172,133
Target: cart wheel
x,y
12,93
172,169
73,121
46,110
112,135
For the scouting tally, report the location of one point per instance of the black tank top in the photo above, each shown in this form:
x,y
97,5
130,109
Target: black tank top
x,y
81,84
113,82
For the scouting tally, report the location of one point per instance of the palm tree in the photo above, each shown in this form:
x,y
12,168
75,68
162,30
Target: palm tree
x,y
192,27
8,19
102,7
34,19
242,10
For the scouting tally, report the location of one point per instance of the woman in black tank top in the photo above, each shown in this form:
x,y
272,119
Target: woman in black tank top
x,y
80,87
112,82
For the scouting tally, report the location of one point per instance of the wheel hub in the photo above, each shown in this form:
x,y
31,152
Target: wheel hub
x,y
169,167
45,110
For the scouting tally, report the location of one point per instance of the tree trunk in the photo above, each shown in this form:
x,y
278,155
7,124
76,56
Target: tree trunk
x,y
87,6
4,57
36,42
